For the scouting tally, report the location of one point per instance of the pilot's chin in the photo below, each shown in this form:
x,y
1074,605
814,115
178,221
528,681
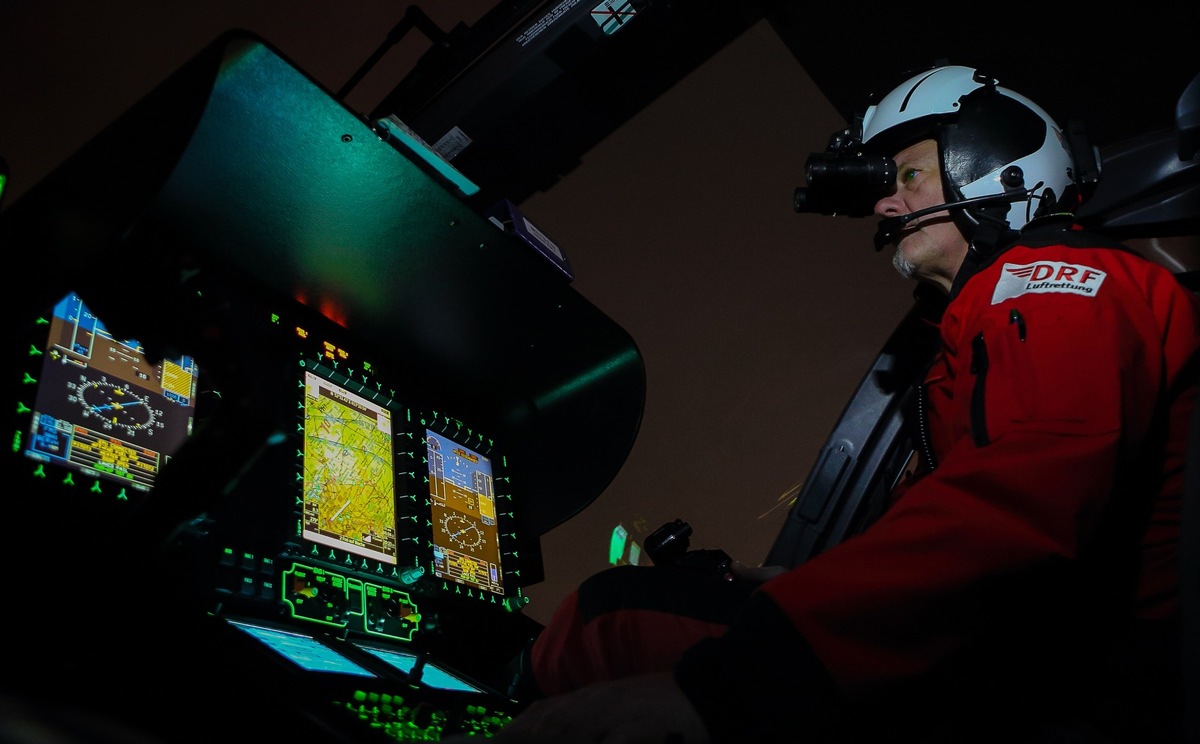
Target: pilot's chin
x,y
902,265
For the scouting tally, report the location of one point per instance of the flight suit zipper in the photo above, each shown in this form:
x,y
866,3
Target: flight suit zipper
x,y
924,440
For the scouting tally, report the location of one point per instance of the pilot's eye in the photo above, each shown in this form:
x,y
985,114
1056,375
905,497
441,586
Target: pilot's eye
x,y
908,174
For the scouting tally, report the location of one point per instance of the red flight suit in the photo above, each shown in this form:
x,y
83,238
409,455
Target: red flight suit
x,y
1025,577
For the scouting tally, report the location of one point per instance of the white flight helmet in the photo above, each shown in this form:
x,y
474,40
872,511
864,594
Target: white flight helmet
x,y
991,141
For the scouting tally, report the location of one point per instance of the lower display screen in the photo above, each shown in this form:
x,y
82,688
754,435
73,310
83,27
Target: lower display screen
x,y
431,674
303,650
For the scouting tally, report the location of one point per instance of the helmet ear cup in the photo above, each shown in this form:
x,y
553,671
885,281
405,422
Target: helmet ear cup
x,y
991,131
1003,142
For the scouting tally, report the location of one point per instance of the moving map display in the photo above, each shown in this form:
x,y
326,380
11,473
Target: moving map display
x,y
349,479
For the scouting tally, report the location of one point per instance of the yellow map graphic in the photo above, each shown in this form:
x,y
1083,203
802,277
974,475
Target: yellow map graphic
x,y
349,498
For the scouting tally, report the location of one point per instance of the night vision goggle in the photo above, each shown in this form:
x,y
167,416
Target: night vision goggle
x,y
844,180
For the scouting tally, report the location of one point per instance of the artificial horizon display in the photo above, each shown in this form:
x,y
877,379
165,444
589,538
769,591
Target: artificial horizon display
x,y
466,539
101,407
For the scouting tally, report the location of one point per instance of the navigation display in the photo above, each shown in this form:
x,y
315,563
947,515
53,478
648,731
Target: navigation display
x,y
349,480
466,540
101,407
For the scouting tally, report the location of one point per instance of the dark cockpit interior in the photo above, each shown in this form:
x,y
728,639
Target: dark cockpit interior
x,y
295,390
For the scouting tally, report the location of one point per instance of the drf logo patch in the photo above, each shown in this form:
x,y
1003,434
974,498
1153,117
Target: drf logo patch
x,y
1046,276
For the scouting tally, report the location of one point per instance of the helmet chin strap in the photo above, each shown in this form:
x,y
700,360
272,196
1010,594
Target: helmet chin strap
x,y
890,227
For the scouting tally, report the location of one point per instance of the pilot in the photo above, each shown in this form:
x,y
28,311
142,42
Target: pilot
x,y
1023,583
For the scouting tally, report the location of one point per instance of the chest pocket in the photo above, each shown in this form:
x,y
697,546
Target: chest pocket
x,y
1029,372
